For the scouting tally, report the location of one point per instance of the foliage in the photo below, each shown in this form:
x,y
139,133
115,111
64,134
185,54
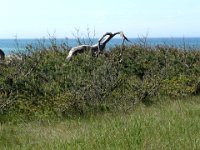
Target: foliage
x,y
40,82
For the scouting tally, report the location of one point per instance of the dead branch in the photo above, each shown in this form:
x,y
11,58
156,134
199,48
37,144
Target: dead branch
x,y
98,47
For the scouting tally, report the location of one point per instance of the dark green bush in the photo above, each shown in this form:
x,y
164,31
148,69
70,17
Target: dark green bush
x,y
40,82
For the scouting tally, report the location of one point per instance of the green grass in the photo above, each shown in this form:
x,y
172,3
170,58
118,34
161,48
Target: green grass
x,y
165,125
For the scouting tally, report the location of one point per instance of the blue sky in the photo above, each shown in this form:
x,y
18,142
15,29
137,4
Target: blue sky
x,y
157,18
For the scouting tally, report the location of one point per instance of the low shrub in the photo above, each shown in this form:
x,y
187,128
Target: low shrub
x,y
39,81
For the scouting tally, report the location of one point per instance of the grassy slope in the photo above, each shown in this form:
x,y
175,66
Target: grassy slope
x,y
169,125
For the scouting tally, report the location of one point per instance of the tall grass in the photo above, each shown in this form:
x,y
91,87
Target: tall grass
x,y
171,124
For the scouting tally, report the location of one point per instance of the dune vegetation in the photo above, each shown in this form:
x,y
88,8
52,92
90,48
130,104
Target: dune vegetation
x,y
138,97
166,125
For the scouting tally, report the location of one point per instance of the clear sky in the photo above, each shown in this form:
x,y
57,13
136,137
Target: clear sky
x,y
158,18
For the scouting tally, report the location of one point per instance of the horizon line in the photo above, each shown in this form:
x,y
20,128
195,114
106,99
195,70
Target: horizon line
x,y
36,38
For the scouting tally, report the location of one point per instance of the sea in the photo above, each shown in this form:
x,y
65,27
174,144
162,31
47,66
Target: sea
x,y
11,45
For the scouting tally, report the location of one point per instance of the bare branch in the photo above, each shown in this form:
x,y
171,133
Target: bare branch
x,y
99,47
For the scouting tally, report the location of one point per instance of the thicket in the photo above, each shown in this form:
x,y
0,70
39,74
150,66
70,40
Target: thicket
x,y
39,82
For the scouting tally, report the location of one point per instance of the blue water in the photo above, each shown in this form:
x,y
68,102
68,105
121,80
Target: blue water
x,y
10,45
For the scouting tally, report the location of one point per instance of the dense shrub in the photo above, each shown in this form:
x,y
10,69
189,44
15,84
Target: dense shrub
x,y
39,81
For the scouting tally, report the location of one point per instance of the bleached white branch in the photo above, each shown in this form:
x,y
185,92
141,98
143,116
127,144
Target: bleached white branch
x,y
99,47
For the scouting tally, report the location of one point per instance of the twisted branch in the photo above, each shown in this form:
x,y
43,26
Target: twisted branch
x,y
96,48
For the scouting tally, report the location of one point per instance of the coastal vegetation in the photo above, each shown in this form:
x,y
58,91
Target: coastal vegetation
x,y
171,124
135,96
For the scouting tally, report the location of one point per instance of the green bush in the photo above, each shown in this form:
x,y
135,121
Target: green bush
x,y
39,81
